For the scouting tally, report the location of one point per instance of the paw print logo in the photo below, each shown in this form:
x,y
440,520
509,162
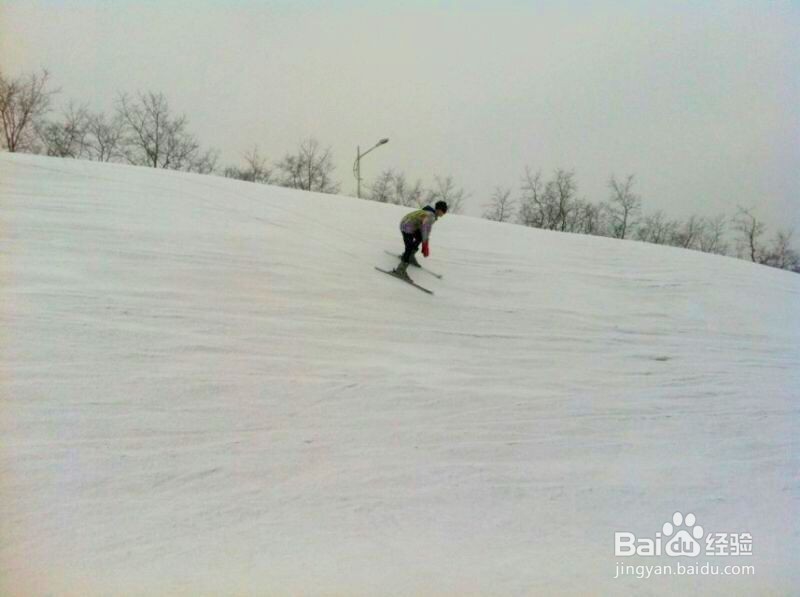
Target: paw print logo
x,y
684,543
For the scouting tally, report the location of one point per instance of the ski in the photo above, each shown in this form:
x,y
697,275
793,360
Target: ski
x,y
406,280
422,267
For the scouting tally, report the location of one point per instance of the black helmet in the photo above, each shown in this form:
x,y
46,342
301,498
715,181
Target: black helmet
x,y
441,206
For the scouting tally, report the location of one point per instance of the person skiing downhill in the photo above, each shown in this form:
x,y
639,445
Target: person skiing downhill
x,y
416,229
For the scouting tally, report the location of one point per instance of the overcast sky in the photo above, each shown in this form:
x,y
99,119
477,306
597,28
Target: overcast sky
x,y
699,100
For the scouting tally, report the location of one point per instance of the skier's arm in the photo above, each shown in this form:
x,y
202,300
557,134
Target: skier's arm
x,y
427,224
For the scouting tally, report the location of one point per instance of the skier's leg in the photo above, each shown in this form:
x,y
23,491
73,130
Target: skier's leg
x,y
412,242
415,242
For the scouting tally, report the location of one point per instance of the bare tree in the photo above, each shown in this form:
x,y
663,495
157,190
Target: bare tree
x,y
23,103
712,239
105,137
532,211
780,254
750,230
256,169
501,208
656,229
592,219
688,234
392,187
561,192
382,189
310,169
158,139
553,205
623,206
68,137
407,194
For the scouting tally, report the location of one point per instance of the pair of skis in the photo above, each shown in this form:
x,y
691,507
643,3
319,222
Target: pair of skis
x,y
409,280
417,265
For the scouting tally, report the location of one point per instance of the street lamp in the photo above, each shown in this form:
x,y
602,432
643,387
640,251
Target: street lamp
x,y
357,163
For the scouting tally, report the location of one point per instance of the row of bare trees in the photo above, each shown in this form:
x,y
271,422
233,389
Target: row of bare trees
x,y
309,169
393,187
143,130
554,204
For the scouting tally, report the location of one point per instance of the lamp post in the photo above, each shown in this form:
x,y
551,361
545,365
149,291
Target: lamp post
x,y
357,163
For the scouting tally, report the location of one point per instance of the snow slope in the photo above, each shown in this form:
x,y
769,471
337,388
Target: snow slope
x,y
206,388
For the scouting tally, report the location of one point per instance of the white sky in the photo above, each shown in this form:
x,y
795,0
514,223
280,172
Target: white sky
x,y
698,99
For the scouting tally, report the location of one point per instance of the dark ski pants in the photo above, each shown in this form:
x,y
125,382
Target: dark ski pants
x,y
412,242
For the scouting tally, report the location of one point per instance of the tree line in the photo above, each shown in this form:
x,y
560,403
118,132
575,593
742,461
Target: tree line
x,y
554,204
144,130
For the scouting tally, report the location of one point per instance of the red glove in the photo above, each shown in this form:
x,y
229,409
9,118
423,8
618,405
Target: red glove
x,y
425,250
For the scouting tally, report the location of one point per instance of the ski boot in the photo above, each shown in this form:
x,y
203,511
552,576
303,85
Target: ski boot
x,y
400,271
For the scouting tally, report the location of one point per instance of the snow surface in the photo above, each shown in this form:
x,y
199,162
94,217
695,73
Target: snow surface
x,y
207,389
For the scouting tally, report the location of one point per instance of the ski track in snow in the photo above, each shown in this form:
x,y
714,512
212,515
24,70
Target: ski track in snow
x,y
207,389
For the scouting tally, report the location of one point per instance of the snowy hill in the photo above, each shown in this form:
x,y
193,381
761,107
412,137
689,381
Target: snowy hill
x,y
207,389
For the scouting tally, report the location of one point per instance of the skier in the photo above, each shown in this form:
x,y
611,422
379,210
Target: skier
x,y
416,228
